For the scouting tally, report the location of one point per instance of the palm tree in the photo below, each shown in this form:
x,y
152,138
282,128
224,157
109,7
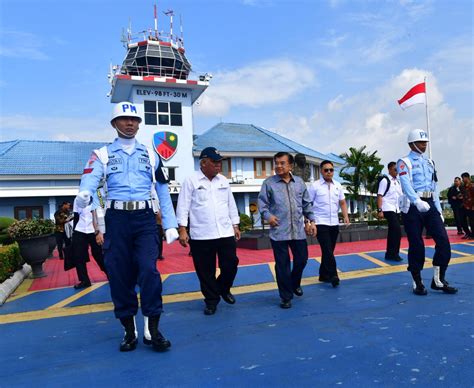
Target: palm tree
x,y
361,171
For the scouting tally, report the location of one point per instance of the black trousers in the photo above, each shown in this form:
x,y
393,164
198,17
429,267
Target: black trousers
x,y
161,234
394,235
204,257
458,216
467,217
288,279
414,222
61,241
327,237
80,248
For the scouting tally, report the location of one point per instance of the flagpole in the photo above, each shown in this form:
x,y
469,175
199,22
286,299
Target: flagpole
x,y
427,120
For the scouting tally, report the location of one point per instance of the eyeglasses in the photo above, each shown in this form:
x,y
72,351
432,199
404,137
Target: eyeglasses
x,y
328,170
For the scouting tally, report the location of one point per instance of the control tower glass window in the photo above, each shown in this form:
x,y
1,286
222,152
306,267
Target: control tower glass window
x,y
156,58
163,113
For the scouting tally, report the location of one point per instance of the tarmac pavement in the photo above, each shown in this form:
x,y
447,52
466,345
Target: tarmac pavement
x,y
370,331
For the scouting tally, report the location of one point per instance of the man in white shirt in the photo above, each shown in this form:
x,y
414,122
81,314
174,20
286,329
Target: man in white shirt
x,y
327,196
206,200
84,235
388,194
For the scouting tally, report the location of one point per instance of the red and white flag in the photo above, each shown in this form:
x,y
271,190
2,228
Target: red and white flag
x,y
416,95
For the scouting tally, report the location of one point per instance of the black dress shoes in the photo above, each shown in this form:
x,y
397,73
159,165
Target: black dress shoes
x,y
324,279
82,285
298,291
210,310
228,298
420,290
446,288
335,281
285,303
128,343
160,343
398,258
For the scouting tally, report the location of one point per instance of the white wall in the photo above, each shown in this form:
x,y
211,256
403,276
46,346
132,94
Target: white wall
x,y
183,158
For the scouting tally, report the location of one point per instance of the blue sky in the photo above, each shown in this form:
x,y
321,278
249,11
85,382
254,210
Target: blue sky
x,y
324,73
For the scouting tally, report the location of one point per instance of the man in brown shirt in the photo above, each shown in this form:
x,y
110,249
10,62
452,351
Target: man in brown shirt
x,y
61,217
467,206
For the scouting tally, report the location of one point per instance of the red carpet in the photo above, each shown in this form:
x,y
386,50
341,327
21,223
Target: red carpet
x,y
177,260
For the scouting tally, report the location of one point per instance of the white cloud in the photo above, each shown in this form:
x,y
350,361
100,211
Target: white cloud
x,y
256,85
55,128
373,118
335,3
257,3
417,9
333,41
17,44
454,62
335,104
384,47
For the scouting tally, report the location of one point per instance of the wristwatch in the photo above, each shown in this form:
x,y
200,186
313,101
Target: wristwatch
x,y
379,210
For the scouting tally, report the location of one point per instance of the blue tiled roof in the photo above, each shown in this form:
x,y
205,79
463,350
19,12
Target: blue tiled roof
x,y
337,158
34,157
230,137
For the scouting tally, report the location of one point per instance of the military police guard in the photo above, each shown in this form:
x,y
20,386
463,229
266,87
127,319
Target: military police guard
x,y
131,244
420,208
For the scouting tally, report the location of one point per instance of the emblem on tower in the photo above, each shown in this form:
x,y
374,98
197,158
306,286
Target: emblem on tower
x,y
165,143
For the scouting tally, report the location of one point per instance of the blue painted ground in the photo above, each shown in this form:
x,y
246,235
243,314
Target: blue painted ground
x,y
369,332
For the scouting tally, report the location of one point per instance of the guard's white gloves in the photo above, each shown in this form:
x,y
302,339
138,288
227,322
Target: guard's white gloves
x,y
422,206
83,199
171,235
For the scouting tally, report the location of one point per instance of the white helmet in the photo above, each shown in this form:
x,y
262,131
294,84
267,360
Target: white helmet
x,y
417,135
125,109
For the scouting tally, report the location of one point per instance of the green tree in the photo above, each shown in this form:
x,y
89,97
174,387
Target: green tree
x,y
361,172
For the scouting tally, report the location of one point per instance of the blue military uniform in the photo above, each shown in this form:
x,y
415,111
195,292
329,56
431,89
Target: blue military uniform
x,y
418,181
131,244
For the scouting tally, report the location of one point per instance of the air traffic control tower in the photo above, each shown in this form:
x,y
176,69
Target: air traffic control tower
x,y
154,77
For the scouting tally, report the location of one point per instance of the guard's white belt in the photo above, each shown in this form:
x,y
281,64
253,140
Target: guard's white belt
x,y
425,194
128,205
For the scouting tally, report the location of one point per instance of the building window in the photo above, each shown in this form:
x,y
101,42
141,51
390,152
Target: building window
x,y
226,168
163,113
316,172
263,167
22,212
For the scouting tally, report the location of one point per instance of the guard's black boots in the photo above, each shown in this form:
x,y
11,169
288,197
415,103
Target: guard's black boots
x,y
159,342
439,283
418,286
129,341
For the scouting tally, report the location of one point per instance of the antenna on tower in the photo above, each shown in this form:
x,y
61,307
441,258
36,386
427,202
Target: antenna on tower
x,y
124,39
156,22
170,13
181,28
